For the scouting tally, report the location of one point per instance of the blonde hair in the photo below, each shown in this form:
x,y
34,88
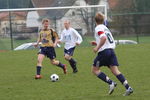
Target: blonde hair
x,y
67,21
99,18
45,20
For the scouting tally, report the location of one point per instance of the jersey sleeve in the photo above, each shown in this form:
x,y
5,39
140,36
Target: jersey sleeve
x,y
39,35
62,37
100,32
55,34
79,38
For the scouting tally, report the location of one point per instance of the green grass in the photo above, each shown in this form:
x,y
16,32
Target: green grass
x,y
17,72
6,43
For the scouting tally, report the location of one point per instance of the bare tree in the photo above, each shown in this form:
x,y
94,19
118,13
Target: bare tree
x,y
128,16
88,16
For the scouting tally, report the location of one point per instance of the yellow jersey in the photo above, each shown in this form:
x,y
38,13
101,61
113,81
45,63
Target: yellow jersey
x,y
46,37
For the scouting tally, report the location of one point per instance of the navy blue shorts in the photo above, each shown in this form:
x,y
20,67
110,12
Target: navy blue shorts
x,y
48,51
69,51
106,57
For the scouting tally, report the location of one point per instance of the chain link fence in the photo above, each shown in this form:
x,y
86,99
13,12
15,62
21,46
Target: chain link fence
x,y
125,23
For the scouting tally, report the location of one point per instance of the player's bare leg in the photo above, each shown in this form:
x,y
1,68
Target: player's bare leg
x,y
39,66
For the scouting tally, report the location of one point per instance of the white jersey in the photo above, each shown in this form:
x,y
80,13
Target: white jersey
x,y
70,37
100,31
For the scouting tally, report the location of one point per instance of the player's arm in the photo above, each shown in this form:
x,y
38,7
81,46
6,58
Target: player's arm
x,y
102,41
38,41
56,38
78,42
56,41
61,40
100,44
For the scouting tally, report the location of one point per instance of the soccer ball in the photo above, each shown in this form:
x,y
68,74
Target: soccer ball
x,y
54,77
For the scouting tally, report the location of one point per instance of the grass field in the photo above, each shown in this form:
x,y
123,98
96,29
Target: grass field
x,y
17,70
6,43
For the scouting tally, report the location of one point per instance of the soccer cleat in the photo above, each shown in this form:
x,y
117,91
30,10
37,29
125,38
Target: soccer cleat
x,y
38,76
112,87
65,69
75,70
128,92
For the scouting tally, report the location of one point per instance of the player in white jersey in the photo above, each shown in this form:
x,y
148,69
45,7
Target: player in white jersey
x,y
102,30
106,56
71,38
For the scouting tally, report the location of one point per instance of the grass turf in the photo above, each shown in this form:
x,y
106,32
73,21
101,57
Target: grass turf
x,y
17,70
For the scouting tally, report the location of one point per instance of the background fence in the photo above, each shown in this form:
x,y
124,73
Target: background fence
x,y
127,20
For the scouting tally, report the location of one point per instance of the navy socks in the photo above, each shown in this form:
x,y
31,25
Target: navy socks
x,y
122,79
61,65
105,78
38,69
72,63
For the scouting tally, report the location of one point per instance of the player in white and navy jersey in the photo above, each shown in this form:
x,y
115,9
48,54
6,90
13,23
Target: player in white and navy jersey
x,y
71,38
106,56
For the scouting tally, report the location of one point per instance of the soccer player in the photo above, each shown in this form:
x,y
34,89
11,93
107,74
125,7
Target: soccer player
x,y
71,38
48,38
106,56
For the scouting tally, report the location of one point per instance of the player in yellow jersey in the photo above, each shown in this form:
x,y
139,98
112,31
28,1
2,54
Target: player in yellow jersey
x,y
48,38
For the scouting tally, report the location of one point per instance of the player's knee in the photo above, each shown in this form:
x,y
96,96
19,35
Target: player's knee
x,y
54,62
95,71
67,57
115,71
39,61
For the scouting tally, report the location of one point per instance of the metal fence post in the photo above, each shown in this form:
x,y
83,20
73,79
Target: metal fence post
x,y
10,25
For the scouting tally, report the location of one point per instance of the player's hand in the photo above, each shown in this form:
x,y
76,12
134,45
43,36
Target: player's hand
x,y
35,45
95,49
55,44
58,41
93,43
77,43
